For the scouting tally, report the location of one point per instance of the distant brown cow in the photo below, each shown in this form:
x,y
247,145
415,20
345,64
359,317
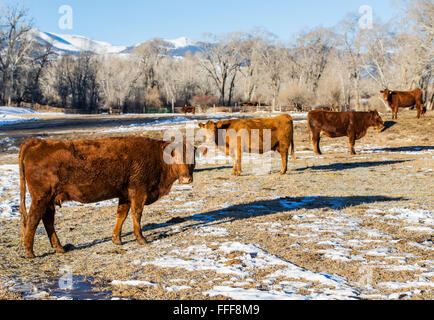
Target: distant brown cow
x,y
252,104
132,169
352,124
282,137
186,110
404,99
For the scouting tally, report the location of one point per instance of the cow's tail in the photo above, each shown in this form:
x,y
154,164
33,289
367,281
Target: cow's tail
x,y
23,210
292,142
23,182
309,129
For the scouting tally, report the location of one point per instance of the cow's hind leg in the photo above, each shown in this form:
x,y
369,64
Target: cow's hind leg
x,y
316,138
36,212
137,204
48,220
122,213
284,155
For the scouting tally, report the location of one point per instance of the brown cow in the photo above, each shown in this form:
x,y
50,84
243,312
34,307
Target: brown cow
x,y
132,169
186,110
404,99
352,124
252,104
282,137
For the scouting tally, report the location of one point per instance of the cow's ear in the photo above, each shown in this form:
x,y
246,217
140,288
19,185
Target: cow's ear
x,y
222,124
166,151
201,125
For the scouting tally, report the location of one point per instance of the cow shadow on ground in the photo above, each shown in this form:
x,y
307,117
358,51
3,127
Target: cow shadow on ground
x,y
258,209
157,231
387,125
405,149
350,165
213,168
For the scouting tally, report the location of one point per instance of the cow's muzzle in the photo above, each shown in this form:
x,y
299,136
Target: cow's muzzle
x,y
186,180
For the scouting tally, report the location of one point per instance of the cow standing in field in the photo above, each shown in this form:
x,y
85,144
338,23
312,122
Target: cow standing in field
x,y
404,99
186,110
282,138
352,124
136,170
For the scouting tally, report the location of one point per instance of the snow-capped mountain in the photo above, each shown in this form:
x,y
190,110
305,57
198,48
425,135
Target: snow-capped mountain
x,y
76,44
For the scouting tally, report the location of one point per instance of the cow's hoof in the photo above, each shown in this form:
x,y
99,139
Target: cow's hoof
x,y
142,241
30,255
60,250
282,172
117,241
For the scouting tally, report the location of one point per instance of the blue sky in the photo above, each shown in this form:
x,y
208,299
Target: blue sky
x,y
128,22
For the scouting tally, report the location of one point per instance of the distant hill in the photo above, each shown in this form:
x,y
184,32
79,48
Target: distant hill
x,y
76,44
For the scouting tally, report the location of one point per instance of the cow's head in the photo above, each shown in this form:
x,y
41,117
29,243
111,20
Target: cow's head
x,y
181,158
376,121
387,94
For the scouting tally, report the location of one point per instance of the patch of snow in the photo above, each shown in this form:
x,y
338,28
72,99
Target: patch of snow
x,y
133,283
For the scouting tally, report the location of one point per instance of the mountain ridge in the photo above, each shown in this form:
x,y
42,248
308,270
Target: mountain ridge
x,y
75,44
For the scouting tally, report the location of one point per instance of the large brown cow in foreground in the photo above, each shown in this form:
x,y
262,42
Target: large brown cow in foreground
x,y
133,169
282,137
352,124
404,99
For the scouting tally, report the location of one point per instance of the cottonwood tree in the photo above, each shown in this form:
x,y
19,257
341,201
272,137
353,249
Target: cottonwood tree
x,y
116,77
251,48
15,45
274,59
75,82
221,59
419,18
350,39
310,55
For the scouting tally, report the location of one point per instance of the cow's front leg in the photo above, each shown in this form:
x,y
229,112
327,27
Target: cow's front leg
x,y
122,213
352,144
137,204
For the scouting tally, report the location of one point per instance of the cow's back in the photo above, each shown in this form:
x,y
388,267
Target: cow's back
x,y
89,170
332,124
281,130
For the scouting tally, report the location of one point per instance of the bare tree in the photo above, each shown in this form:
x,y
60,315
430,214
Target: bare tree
x,y
274,59
221,59
351,42
310,54
419,16
15,45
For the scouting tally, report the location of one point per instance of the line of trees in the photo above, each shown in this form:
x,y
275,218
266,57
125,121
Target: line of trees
x,y
344,66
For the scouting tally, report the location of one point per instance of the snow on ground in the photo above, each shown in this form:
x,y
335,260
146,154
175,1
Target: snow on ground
x,y
250,259
15,115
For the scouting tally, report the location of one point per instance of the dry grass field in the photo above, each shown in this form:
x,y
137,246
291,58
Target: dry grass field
x,y
334,227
